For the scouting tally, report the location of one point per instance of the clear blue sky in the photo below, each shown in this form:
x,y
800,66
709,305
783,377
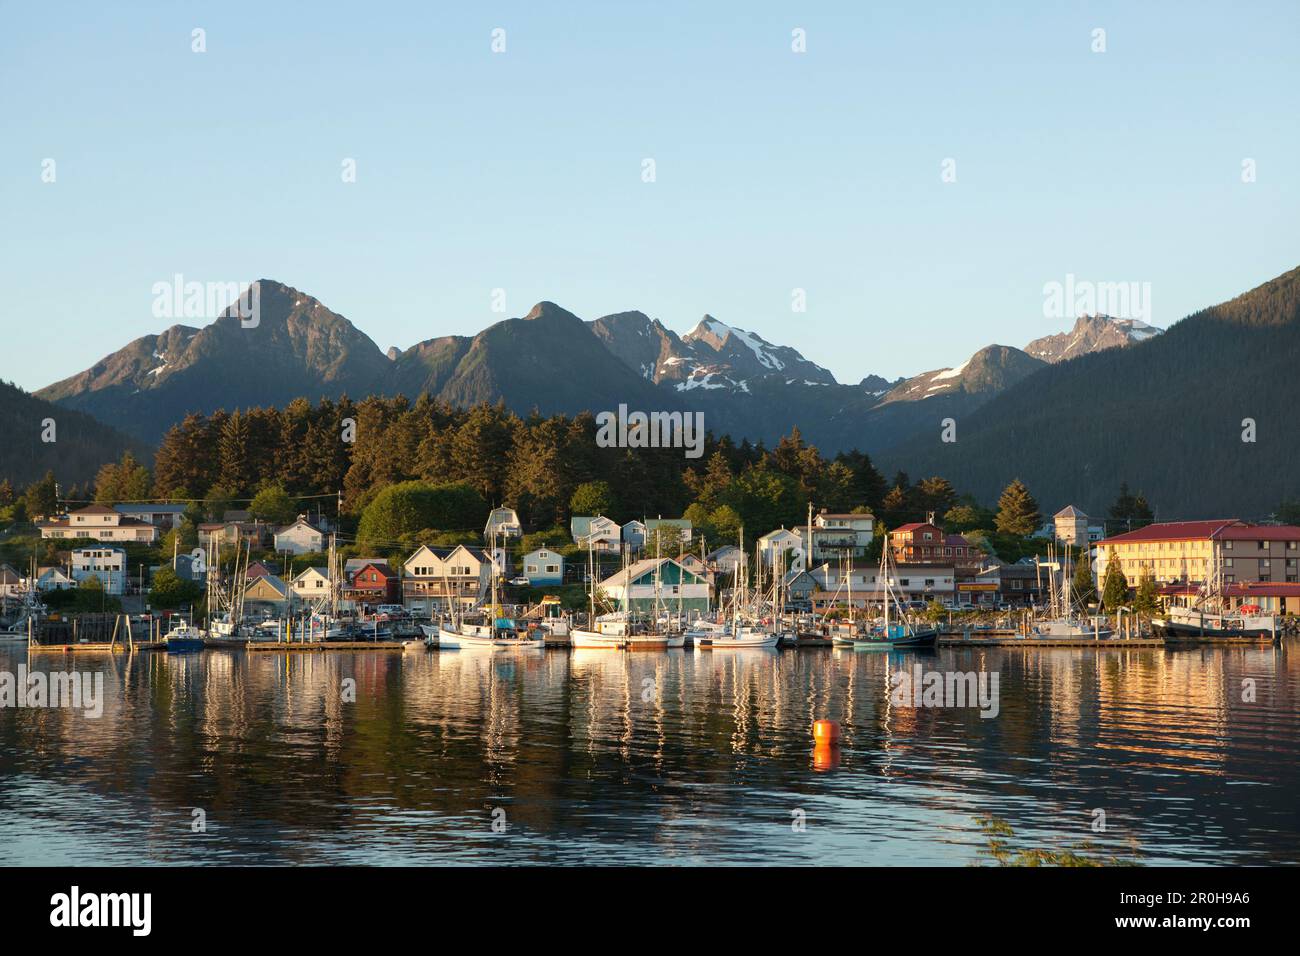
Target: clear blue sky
x,y
522,170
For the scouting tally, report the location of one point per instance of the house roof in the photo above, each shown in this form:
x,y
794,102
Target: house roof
x,y
909,528
323,572
643,567
1258,532
1070,511
580,525
173,509
95,510
270,579
845,515
550,551
652,523
299,522
1171,531
383,567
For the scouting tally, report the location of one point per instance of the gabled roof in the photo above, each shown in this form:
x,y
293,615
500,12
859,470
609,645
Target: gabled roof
x,y
909,528
580,525
442,554
95,510
302,522
647,566
270,579
323,572
550,551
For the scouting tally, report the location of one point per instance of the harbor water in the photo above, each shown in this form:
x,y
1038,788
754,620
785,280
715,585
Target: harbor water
x,y
678,757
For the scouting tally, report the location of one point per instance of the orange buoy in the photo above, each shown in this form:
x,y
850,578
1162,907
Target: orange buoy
x,y
826,733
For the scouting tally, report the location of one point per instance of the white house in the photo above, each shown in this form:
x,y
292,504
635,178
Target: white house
x,y
725,559
638,586
544,566
834,534
101,523
107,564
435,577
912,582
600,533
53,579
301,537
502,522
11,582
311,584
781,548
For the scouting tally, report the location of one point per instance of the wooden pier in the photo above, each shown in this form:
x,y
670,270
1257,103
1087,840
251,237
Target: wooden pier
x,y
313,645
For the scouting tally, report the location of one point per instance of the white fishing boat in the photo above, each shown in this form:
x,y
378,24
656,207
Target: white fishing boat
x,y
1206,618
493,632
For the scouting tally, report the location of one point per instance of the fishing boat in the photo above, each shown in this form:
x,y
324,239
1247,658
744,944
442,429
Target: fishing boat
x,y
897,631
183,638
494,631
1207,619
623,629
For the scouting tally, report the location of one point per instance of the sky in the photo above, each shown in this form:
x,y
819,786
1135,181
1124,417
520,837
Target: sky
x,y
524,170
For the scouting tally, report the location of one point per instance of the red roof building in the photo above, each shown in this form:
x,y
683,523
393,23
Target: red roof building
x,y
1181,552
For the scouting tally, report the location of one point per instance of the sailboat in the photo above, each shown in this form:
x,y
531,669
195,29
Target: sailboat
x,y
495,632
623,629
898,631
1207,619
1063,621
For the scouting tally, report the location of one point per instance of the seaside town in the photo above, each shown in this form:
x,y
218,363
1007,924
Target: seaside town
x,y
156,576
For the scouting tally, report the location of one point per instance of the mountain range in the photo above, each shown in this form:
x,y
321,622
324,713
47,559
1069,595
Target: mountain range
x,y
1074,385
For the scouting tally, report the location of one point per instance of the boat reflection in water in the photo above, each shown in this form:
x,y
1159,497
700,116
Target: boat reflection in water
x,y
672,757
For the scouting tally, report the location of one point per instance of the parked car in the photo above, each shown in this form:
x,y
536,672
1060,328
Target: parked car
x,y
520,582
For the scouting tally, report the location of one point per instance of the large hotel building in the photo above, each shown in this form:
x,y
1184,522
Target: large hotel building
x,y
1260,563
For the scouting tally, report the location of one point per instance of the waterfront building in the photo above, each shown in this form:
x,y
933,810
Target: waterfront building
x,y
914,582
1180,552
301,537
311,584
922,542
106,564
100,523
11,582
725,559
371,581
544,567
434,578
676,586
266,593
799,585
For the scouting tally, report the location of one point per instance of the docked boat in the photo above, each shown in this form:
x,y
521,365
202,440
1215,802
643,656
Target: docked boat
x,y
184,639
897,630
1066,618
1189,625
623,632
746,635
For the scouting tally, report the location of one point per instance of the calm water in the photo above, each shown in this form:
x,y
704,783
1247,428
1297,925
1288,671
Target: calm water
x,y
711,768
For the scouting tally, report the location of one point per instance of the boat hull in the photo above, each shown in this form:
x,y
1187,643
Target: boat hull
x,y
593,640
184,645
448,638
1178,632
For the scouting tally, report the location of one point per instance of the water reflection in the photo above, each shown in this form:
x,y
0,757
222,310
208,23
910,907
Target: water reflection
x,y
600,756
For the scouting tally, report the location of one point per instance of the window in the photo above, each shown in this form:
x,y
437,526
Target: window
x,y
1227,546
1227,562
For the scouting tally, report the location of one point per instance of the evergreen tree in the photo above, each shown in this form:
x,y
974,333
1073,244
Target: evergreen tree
x,y
592,498
1017,511
1147,599
1114,589
41,497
